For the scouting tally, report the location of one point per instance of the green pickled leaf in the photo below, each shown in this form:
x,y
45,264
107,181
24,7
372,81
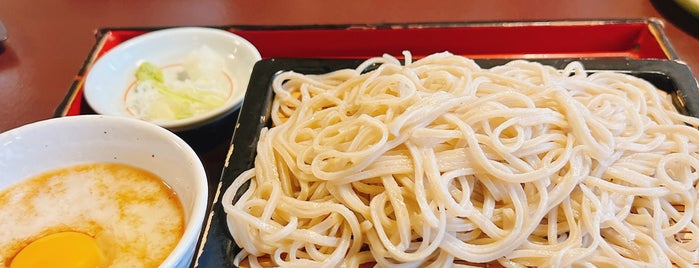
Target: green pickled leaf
x,y
148,71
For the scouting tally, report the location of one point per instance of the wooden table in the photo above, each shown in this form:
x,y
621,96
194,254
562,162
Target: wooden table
x,y
49,40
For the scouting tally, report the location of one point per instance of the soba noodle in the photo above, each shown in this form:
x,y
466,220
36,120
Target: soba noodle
x,y
439,162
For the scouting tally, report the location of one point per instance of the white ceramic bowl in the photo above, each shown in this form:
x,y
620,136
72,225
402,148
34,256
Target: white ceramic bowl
x,y
55,143
109,78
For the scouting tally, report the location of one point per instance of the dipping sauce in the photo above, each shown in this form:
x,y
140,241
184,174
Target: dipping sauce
x,y
113,215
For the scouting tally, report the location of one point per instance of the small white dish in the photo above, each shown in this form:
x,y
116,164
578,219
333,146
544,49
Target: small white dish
x,y
113,73
57,143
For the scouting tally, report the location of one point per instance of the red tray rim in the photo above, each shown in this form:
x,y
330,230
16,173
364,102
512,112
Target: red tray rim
x,y
655,26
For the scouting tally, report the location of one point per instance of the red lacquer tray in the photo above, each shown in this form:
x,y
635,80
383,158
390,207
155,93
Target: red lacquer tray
x,y
588,39
634,39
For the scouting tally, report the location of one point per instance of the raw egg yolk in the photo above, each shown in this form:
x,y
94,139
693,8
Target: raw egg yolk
x,y
64,249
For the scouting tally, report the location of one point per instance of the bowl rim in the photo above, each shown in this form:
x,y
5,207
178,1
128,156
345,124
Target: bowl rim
x,y
180,124
194,222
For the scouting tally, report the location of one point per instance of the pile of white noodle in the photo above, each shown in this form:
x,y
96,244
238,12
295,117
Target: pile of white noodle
x,y
439,161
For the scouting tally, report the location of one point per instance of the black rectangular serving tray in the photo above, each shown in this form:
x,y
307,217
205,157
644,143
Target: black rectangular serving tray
x,y
217,248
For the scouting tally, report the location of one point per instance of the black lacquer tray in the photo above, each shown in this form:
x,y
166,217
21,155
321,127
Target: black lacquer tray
x,y
217,247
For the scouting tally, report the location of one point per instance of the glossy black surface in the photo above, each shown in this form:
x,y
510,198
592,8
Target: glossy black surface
x,y
217,246
678,15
